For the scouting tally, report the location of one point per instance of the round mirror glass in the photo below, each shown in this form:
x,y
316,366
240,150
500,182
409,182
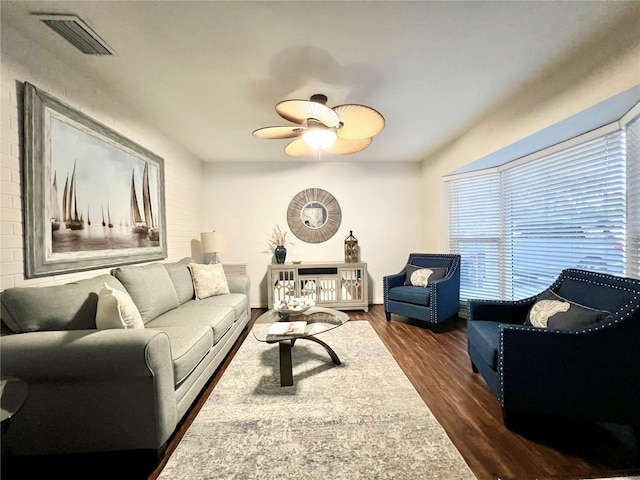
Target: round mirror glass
x,y
314,215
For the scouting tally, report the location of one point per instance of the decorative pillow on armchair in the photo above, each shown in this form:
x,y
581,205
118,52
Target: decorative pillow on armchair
x,y
422,276
208,280
557,313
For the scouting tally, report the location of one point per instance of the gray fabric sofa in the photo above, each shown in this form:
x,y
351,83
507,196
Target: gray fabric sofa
x,y
93,390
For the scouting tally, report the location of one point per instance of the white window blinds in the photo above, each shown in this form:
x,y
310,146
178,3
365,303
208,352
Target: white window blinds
x,y
517,227
474,233
633,195
565,210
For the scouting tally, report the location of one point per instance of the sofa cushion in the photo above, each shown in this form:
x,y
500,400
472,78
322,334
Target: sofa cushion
x,y
485,337
150,287
423,276
554,312
189,345
181,278
238,301
60,307
197,313
208,280
410,294
116,310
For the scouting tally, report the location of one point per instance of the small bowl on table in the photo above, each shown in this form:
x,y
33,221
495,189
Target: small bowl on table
x,y
292,306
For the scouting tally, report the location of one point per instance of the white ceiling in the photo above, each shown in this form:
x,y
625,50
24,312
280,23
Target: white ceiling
x,y
208,73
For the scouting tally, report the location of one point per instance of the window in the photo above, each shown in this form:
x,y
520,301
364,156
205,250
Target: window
x,y
518,226
477,242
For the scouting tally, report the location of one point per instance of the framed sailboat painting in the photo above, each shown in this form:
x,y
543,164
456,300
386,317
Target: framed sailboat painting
x,y
93,198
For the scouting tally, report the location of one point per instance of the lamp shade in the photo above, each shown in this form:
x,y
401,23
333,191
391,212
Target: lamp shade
x,y
213,242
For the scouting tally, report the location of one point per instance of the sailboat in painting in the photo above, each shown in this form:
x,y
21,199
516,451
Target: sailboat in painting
x,y
109,224
65,195
137,225
55,206
140,225
154,233
72,221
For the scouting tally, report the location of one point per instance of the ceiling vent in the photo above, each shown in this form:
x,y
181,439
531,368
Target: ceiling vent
x,y
76,32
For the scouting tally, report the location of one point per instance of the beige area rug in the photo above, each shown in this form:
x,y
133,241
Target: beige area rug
x,y
359,420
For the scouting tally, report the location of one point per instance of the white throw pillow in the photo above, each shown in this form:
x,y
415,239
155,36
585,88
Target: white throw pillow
x,y
420,278
543,309
208,280
116,310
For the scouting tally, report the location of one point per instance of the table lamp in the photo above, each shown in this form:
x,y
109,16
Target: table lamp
x,y
213,242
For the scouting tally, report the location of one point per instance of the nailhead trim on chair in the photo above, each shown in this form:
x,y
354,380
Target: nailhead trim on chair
x,y
566,274
434,296
385,295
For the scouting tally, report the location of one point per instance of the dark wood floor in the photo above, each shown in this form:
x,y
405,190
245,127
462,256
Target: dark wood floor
x,y
438,366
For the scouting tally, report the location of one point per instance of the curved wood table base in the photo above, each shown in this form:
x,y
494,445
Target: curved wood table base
x,y
286,367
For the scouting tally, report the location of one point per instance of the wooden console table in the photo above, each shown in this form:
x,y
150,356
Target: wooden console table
x,y
343,286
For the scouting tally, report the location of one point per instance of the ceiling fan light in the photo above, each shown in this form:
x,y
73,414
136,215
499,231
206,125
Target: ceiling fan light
x,y
319,137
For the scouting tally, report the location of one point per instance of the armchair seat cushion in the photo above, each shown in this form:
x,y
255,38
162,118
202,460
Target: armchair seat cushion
x,y
485,337
410,294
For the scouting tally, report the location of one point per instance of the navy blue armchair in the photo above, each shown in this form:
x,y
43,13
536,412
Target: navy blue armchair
x,y
588,371
433,301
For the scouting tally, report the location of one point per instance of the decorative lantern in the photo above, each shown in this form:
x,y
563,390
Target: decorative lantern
x,y
351,248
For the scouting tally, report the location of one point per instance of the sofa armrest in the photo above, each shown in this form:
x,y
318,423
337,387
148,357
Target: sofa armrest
x,y
239,284
86,354
514,312
90,390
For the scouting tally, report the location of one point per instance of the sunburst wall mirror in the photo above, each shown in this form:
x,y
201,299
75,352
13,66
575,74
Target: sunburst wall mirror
x,y
314,215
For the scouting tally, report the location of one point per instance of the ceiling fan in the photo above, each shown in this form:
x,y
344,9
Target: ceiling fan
x,y
339,130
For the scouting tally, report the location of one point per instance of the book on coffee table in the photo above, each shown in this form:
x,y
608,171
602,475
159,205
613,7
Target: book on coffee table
x,y
284,329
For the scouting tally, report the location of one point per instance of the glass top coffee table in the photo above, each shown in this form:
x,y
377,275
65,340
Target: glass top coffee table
x,y
297,326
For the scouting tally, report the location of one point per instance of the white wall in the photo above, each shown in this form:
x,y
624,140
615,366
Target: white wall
x,y
23,61
604,69
379,202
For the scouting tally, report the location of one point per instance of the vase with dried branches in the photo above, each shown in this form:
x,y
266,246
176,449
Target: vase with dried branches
x,y
278,241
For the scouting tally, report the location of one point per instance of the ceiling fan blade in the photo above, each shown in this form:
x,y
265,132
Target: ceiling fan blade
x,y
298,148
298,111
359,121
344,146
278,132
